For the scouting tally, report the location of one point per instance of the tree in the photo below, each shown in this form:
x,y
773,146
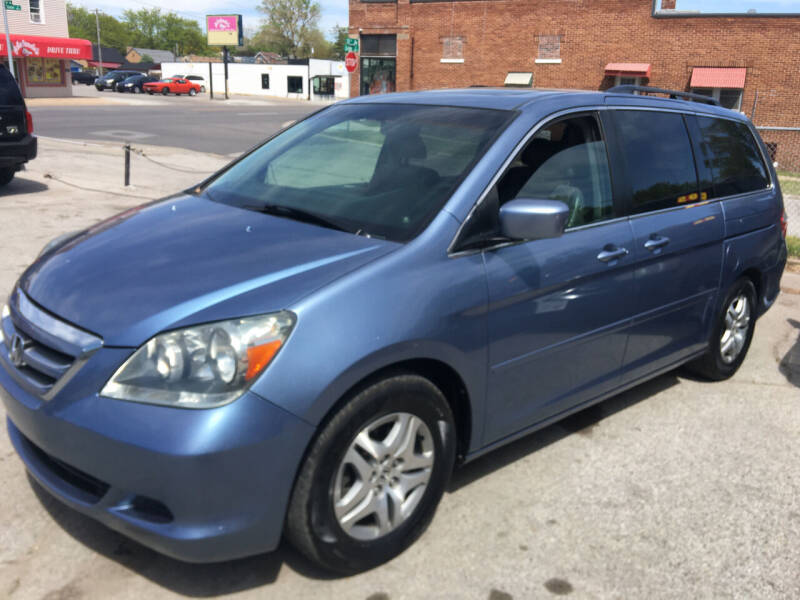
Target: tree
x,y
81,24
150,28
339,35
290,27
146,58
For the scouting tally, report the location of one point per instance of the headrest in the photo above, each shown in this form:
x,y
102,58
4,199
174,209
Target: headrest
x,y
537,151
402,145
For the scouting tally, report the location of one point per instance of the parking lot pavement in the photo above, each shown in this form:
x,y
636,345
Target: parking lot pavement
x,y
676,489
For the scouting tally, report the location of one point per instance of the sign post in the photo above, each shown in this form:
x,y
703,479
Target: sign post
x,y
350,62
225,30
9,49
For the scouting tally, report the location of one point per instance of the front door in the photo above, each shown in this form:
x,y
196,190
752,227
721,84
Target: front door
x,y
558,308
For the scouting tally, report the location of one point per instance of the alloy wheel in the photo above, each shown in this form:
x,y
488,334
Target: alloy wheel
x,y
383,475
735,329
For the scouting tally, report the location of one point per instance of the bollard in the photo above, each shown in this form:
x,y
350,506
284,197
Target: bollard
x,y
127,165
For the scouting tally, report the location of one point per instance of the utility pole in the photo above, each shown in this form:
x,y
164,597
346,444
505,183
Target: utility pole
x,y
99,47
9,49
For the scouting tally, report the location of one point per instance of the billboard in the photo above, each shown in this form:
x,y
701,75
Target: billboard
x,y
225,30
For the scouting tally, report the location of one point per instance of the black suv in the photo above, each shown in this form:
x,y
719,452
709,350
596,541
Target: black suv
x,y
110,80
17,144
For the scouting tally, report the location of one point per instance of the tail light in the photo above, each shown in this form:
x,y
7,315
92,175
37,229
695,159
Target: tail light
x,y
29,121
784,223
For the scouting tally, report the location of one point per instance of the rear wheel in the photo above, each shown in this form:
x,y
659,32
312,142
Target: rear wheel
x,y
164,91
732,334
6,175
374,475
192,92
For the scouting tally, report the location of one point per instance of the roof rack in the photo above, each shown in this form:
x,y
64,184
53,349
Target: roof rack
x,y
630,89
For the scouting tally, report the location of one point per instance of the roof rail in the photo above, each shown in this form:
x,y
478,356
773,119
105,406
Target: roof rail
x,y
630,89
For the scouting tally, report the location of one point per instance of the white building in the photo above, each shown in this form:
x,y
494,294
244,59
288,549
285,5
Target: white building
x,y
311,79
41,47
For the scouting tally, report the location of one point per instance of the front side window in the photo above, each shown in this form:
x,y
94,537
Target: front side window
x,y
564,161
732,156
375,169
658,157
294,85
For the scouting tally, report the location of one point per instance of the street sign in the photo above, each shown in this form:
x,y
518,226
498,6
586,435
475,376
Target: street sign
x,y
350,62
11,6
351,45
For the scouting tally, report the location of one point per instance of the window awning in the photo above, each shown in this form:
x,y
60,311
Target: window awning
x,y
628,69
519,79
718,77
24,46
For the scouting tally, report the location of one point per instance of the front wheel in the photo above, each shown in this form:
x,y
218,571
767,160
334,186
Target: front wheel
x,y
6,175
192,92
203,89
373,476
732,333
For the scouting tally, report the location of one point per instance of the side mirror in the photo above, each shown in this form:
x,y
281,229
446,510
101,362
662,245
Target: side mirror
x,y
526,219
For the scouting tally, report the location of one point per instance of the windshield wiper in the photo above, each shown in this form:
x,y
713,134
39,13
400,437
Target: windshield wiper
x,y
298,214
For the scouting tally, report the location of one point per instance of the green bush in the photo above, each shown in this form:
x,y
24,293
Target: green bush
x,y
793,244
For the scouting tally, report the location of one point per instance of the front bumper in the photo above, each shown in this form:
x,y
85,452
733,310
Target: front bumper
x,y
197,485
19,152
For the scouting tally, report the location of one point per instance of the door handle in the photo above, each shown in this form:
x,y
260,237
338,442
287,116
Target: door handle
x,y
656,243
610,253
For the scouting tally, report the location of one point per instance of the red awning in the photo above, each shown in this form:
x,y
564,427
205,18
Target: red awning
x,y
47,47
718,77
628,69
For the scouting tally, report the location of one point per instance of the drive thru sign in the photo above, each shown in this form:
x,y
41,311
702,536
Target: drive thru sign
x,y
350,62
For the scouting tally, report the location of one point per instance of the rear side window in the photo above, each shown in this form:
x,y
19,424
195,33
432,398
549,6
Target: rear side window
x,y
9,91
659,159
732,157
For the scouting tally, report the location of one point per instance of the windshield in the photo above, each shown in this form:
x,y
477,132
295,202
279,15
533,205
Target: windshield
x,y
383,170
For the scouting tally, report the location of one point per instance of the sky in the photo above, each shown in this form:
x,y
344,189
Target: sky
x,y
334,12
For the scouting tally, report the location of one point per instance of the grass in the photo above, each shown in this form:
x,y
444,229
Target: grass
x,y
790,182
793,244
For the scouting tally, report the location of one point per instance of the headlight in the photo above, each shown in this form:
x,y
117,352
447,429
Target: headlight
x,y
203,366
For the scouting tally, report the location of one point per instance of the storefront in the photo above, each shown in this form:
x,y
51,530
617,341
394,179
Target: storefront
x,y
42,63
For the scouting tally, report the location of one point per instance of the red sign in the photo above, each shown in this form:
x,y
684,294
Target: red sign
x,y
350,62
47,47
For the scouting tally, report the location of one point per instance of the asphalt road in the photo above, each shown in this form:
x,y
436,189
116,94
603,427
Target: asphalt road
x,y
194,123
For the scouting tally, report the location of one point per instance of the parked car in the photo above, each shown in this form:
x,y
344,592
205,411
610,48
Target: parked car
x,y
17,142
134,83
198,80
172,85
112,78
85,77
308,341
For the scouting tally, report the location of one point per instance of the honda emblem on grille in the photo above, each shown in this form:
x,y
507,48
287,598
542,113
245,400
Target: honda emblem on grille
x,y
17,353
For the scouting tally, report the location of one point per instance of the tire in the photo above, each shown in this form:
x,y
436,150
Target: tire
x,y
98,88
6,175
350,544
202,89
192,92
164,92
732,333
150,92
136,90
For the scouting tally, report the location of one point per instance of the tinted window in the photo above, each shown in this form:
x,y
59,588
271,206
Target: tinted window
x,y
731,155
378,45
564,161
9,92
382,170
659,160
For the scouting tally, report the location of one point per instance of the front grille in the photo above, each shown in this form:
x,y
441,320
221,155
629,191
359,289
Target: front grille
x,y
39,350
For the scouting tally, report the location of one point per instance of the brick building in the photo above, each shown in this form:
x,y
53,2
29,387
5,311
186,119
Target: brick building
x,y
748,62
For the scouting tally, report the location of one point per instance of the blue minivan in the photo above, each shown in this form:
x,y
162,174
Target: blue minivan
x,y
306,343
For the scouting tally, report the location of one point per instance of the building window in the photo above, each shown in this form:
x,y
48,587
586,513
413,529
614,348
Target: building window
x,y
35,11
452,50
323,85
549,49
44,71
294,84
378,45
265,81
727,97
623,80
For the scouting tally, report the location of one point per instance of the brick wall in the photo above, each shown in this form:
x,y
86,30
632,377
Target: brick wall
x,y
502,35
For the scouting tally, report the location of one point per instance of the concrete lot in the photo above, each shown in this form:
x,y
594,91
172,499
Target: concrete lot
x,y
196,123
676,489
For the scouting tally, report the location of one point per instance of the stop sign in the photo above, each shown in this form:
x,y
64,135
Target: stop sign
x,y
350,62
